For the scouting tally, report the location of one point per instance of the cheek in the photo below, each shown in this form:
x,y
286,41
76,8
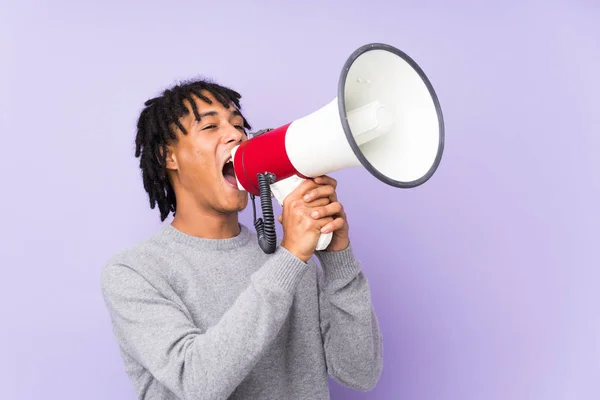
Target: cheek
x,y
196,164
190,155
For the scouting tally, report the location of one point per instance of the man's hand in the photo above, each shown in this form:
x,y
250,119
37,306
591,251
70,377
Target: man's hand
x,y
323,200
301,230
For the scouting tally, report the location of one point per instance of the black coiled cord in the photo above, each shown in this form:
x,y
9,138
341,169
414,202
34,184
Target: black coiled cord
x,y
265,228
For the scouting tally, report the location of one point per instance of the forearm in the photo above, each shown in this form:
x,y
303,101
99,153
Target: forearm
x,y
353,342
196,363
222,357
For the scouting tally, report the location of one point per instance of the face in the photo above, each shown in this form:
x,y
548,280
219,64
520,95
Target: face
x,y
199,161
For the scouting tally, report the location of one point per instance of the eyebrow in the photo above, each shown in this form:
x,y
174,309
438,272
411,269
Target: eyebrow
x,y
234,113
208,114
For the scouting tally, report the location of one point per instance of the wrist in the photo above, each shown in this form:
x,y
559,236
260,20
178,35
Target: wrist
x,y
337,247
295,252
339,264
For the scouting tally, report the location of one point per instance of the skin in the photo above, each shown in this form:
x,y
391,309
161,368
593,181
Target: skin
x,y
208,206
314,204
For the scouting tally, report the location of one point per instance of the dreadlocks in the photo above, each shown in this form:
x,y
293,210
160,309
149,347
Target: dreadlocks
x,y
156,128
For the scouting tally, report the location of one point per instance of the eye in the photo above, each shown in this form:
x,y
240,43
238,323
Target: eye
x,y
240,127
209,127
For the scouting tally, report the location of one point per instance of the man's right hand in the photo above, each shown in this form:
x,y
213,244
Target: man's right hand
x,y
301,231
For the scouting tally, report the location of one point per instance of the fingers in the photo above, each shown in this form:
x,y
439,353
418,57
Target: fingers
x,y
328,224
334,225
324,208
318,202
328,210
300,212
296,196
312,189
316,198
306,186
324,191
326,188
325,180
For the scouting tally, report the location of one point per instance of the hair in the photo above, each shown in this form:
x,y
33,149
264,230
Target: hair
x,y
156,128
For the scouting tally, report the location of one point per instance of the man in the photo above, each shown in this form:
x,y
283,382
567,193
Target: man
x,y
199,311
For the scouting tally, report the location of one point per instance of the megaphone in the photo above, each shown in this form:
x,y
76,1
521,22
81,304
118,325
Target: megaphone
x,y
386,117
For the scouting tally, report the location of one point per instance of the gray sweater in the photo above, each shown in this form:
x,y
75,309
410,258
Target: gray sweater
x,y
219,319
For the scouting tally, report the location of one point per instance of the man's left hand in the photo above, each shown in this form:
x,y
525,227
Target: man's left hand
x,y
324,199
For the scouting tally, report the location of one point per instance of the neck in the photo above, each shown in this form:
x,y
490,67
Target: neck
x,y
203,224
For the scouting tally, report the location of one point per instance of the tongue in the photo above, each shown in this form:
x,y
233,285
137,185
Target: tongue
x,y
231,179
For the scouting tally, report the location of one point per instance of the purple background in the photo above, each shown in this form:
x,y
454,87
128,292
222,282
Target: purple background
x,y
485,279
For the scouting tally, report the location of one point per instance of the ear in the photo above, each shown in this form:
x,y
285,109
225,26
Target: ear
x,y
171,159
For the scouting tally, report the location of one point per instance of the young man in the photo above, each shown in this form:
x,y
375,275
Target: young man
x,y
199,311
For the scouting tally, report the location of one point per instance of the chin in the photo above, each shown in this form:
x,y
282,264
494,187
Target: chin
x,y
236,200
241,204
236,203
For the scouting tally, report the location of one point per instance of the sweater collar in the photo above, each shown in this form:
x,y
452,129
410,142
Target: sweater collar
x,y
173,234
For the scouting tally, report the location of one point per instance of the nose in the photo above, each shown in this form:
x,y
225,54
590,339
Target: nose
x,y
232,134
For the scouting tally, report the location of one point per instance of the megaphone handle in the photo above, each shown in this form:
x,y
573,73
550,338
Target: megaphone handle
x,y
281,189
324,241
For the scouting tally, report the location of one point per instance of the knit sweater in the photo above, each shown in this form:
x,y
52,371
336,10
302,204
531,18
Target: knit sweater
x,y
199,318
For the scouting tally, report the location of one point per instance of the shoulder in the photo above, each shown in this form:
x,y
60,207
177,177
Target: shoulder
x,y
143,262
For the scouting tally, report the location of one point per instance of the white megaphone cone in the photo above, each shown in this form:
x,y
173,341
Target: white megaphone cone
x,y
386,118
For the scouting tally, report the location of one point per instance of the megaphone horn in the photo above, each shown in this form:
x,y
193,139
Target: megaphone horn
x,y
386,117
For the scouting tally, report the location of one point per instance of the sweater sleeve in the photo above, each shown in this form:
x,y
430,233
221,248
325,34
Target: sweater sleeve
x,y
195,363
352,339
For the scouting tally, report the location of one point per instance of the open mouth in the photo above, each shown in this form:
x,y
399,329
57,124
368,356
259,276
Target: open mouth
x,y
229,173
